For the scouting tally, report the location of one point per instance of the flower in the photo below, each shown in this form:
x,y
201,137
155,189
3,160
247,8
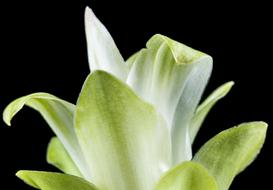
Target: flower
x,y
135,121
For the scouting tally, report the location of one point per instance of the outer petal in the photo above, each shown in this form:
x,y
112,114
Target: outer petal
x,y
58,156
231,151
204,108
59,115
172,77
123,138
102,51
187,176
54,181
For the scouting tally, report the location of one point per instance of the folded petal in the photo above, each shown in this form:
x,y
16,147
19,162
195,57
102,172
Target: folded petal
x,y
124,140
187,176
102,51
172,77
58,156
231,151
204,108
54,181
59,116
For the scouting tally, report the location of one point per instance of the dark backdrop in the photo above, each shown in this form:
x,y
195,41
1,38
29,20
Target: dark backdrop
x,y
43,49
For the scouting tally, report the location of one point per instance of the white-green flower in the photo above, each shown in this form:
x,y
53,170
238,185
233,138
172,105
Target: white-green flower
x,y
135,121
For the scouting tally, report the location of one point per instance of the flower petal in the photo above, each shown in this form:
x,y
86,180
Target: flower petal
x,y
58,156
132,59
231,151
204,108
123,138
59,116
187,176
102,51
54,181
172,77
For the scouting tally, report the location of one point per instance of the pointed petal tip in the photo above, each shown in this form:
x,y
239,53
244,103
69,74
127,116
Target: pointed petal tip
x,y
100,73
88,10
226,87
265,125
6,117
259,127
89,14
255,124
229,85
102,51
20,174
262,125
7,121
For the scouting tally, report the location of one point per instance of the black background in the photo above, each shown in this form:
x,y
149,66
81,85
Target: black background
x,y
43,49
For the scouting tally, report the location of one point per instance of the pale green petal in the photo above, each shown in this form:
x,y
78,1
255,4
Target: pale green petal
x,y
172,77
123,138
187,176
102,51
59,116
132,59
58,156
54,181
231,151
204,108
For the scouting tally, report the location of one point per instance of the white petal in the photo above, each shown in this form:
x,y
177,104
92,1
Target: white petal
x,y
172,77
102,51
